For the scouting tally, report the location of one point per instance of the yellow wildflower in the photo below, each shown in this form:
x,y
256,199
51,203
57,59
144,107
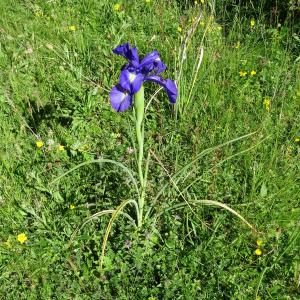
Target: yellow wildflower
x,y
39,13
22,238
243,73
148,1
72,206
267,104
297,139
259,242
72,28
252,22
179,29
219,28
60,148
258,252
252,73
195,2
117,7
237,45
39,144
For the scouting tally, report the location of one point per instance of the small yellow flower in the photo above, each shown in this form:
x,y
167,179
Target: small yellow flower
x,y
202,23
195,2
219,28
237,45
258,252
202,1
117,7
60,148
252,22
259,242
297,139
252,73
179,29
243,73
267,104
72,28
148,1
22,238
72,206
39,13
39,144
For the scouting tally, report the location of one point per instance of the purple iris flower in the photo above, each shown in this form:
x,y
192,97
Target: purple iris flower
x,y
134,73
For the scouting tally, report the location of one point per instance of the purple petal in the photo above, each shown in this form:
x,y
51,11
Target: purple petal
x,y
134,57
131,81
129,53
121,49
152,63
171,89
120,99
149,58
168,84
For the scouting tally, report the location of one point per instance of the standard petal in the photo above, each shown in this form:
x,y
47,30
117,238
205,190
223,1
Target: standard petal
x,y
129,53
152,64
168,84
131,81
120,99
134,57
149,58
121,49
159,65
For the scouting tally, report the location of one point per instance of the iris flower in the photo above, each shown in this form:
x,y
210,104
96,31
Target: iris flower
x,y
134,73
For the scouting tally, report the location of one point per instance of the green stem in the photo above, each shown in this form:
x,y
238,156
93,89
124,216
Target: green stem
x,y
139,106
143,192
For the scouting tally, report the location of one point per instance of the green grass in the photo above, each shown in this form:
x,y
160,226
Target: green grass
x,y
54,87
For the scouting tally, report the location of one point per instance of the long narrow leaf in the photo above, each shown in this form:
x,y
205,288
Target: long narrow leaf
x,y
109,226
100,160
209,202
201,154
95,217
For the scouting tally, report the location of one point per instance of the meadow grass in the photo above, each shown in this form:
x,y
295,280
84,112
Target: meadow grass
x,y
56,71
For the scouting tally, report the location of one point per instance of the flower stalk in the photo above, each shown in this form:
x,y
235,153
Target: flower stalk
x,y
139,104
139,107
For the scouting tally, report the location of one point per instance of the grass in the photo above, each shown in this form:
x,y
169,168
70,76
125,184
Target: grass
x,y
56,71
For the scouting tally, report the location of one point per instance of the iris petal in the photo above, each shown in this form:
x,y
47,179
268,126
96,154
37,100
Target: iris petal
x,y
120,99
152,63
131,54
159,66
168,84
131,81
149,58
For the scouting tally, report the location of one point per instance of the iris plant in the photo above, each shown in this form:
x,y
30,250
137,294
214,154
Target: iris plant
x,y
130,91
